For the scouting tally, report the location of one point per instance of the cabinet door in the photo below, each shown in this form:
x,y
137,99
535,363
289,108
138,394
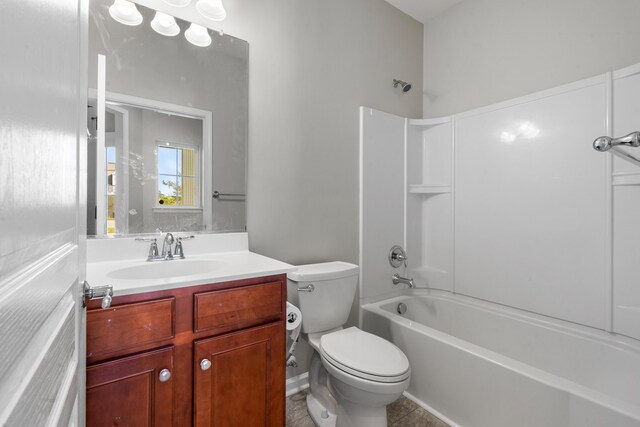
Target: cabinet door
x,y
132,391
244,383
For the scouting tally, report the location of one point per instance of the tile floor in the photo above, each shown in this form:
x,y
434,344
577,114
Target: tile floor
x,y
401,413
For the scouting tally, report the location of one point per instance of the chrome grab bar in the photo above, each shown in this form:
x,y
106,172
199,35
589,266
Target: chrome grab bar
x,y
218,195
606,143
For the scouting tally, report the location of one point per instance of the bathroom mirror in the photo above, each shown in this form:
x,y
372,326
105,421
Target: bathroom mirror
x,y
170,151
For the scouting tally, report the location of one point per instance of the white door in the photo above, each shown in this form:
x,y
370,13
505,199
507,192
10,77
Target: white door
x,y
42,223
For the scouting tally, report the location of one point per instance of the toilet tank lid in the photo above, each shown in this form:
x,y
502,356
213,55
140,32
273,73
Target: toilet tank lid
x,y
323,271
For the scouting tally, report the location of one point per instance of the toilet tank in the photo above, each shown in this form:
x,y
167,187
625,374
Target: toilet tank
x,y
328,305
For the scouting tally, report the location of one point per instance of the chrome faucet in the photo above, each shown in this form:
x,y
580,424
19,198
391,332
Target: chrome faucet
x,y
167,254
396,278
166,246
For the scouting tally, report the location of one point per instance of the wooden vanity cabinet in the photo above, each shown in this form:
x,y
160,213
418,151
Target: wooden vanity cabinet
x,y
238,327
131,391
234,378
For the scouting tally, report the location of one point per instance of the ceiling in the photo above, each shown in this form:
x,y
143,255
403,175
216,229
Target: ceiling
x,y
423,10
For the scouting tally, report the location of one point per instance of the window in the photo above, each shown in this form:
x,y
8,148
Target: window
x,y
111,189
178,181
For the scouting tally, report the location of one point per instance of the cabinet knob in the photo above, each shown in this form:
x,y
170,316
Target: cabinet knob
x,y
205,364
165,375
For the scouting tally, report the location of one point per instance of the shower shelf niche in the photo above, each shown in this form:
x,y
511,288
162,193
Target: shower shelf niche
x,y
429,205
429,189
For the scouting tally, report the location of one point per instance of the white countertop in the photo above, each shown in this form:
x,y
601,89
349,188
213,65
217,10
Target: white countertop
x,y
225,265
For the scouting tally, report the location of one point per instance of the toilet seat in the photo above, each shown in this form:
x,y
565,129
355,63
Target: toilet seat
x,y
364,355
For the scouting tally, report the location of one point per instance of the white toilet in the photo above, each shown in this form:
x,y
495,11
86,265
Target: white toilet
x,y
354,375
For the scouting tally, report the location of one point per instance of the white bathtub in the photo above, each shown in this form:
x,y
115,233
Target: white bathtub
x,y
481,364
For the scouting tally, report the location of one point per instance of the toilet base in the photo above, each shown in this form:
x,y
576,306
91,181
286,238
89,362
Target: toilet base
x,y
333,403
348,415
351,415
319,414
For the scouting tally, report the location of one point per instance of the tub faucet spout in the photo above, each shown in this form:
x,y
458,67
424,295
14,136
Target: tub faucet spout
x,y
396,278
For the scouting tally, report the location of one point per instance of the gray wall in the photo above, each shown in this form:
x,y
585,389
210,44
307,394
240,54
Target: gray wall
x,y
312,64
484,51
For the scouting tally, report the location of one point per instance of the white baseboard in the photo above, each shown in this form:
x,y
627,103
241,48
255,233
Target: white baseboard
x,y
297,384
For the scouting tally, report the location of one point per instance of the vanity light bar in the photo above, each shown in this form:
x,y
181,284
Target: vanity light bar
x,y
211,9
165,25
198,35
125,12
177,3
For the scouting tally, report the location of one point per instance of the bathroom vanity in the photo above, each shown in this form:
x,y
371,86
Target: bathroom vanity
x,y
203,348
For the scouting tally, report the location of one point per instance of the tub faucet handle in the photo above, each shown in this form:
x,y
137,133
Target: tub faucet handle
x,y
397,256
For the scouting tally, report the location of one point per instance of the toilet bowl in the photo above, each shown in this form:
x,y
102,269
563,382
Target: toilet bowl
x,y
354,375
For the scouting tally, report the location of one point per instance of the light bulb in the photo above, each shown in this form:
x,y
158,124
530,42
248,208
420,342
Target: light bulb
x,y
165,24
211,9
198,35
125,13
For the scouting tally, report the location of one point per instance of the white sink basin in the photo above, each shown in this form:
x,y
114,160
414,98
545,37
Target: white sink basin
x,y
166,269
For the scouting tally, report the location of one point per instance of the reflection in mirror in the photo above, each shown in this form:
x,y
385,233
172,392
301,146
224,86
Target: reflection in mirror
x,y
174,131
154,174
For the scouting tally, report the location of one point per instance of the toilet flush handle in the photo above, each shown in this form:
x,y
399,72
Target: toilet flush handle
x,y
309,288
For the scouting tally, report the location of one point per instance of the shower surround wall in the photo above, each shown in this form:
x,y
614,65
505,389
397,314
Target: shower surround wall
x,y
511,204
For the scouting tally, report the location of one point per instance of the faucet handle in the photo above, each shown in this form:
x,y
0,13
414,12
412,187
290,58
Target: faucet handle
x,y
179,251
153,249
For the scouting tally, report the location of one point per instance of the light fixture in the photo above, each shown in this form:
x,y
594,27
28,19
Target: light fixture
x,y
177,3
165,24
125,13
211,9
198,35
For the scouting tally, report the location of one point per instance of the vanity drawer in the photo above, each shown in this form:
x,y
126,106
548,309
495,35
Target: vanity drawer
x,y
248,304
129,326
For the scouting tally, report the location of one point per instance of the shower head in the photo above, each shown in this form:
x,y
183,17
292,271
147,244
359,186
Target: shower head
x,y
406,87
